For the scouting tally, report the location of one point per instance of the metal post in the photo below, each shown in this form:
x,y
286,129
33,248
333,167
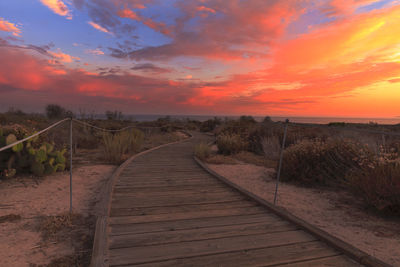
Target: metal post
x,y
280,161
70,167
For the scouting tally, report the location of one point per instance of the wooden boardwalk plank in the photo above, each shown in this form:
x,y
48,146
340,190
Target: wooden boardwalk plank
x,y
190,223
272,256
142,254
181,208
187,215
146,239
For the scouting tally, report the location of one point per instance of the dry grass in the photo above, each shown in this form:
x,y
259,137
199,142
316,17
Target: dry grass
x,y
379,185
230,144
66,227
117,147
51,226
202,151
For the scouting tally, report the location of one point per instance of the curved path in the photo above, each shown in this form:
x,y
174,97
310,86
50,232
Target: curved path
x,y
167,211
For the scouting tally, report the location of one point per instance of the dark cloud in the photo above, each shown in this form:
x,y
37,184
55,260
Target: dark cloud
x,y
149,67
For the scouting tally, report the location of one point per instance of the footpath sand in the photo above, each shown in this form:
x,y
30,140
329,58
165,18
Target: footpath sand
x,y
20,242
338,213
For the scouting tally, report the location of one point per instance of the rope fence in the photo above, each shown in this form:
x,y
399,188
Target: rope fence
x,y
71,120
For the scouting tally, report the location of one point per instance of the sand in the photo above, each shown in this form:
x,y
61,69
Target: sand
x,y
20,242
338,213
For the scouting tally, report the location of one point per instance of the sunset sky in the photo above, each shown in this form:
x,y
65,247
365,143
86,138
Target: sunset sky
x,y
226,57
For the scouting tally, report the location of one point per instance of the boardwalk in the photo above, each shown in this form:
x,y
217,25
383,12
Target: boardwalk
x,y
167,211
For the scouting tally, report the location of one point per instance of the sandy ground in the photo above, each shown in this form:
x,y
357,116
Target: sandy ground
x,y
338,213
20,242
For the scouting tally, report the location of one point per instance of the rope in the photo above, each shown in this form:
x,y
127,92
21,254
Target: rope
x,y
34,135
102,129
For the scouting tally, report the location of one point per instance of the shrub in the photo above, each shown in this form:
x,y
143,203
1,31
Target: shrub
x,y
230,144
54,111
378,183
202,151
323,162
118,146
209,125
271,147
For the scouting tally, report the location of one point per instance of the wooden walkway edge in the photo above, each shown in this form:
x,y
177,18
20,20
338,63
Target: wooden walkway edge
x,y
99,251
164,207
346,248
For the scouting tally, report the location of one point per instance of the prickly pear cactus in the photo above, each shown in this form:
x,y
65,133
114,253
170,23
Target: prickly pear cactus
x,y
31,156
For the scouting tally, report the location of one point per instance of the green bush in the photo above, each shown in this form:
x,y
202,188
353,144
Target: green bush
x,y
320,162
202,151
230,144
118,146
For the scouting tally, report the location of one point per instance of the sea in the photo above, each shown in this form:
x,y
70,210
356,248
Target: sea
x,y
318,120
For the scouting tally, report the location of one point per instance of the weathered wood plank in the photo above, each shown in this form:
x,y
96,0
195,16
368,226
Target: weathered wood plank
x,y
187,215
273,256
175,194
181,208
173,190
338,261
166,183
132,240
204,247
171,201
190,224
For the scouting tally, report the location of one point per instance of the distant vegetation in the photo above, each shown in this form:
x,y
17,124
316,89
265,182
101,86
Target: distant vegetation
x,y
339,155
57,112
47,153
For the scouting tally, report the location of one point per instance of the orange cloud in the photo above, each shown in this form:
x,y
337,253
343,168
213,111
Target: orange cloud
x,y
9,27
98,27
62,56
58,7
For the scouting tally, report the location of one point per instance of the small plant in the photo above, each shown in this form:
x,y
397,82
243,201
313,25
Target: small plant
x,y
378,183
230,144
202,151
118,146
